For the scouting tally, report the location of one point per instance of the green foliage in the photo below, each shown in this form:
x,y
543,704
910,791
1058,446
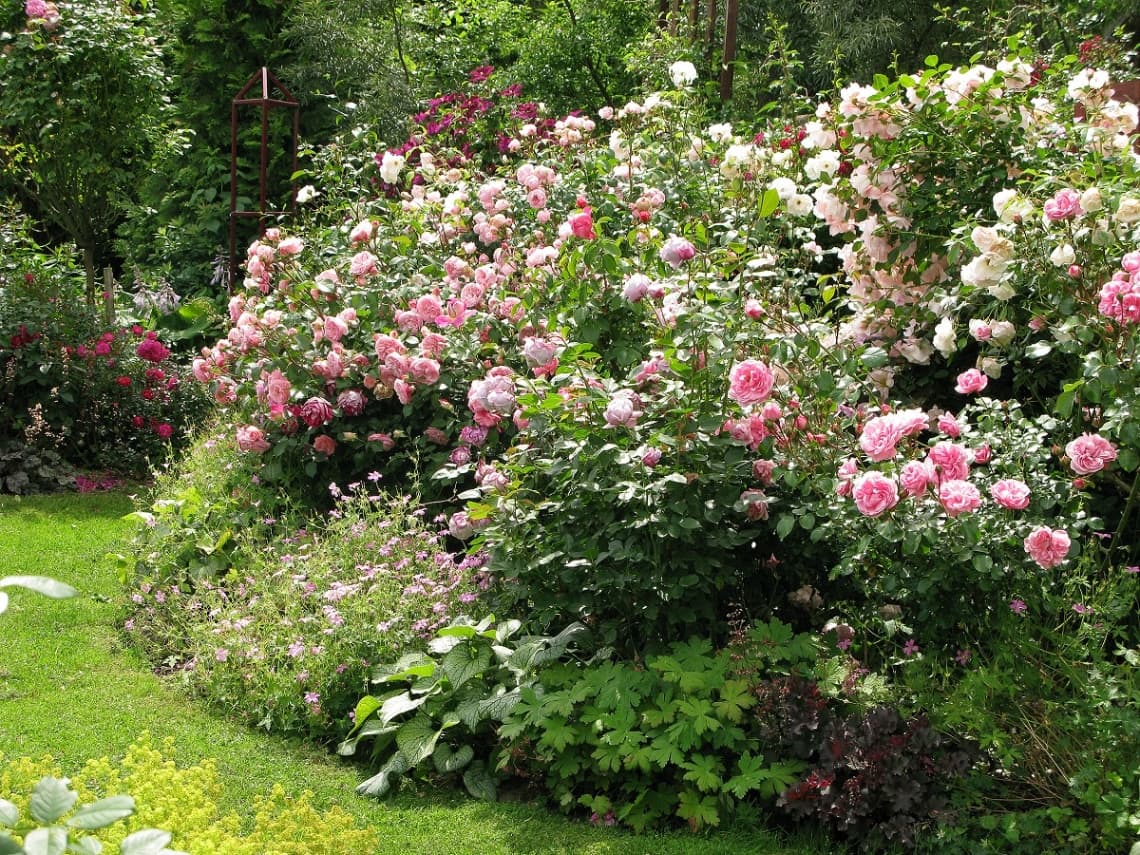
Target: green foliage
x,y
664,740
180,800
448,701
82,104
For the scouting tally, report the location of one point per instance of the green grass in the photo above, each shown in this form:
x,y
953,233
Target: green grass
x,y
69,688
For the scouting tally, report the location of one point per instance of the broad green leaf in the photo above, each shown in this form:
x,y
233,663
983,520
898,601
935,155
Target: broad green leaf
x,y
768,203
397,705
447,760
51,799
103,812
46,841
464,662
8,846
41,585
417,739
365,707
9,813
1039,350
381,783
149,841
480,783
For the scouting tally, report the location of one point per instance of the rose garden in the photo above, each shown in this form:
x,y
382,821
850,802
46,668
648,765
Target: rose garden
x,y
675,470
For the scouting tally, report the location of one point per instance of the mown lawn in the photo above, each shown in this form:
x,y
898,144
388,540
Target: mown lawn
x,y
69,688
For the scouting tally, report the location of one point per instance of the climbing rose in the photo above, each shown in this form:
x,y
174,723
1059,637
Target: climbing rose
x,y
251,439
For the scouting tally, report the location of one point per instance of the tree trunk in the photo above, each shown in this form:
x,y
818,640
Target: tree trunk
x,y
728,57
89,266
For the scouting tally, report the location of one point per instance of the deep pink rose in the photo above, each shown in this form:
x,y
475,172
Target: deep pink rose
x,y
1011,494
874,494
316,412
750,382
277,388
1090,453
324,444
1064,206
755,504
582,225
1047,546
949,426
959,497
970,382
351,402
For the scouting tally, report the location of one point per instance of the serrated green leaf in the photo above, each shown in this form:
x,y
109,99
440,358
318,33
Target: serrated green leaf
x,y
9,813
698,810
102,813
148,841
51,799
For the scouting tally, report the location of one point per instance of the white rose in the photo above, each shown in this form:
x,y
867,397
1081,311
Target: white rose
x,y
390,166
720,133
991,367
1128,211
944,338
1002,332
1091,200
1001,291
1063,255
799,205
682,74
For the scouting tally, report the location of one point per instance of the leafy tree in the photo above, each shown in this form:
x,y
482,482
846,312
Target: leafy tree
x,y
82,105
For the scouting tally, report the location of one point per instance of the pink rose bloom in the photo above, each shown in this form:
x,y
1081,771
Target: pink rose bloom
x,y
750,382
636,287
424,371
651,457
916,476
623,410
1011,494
754,309
880,436
363,264
386,344
334,328
291,246
970,382
848,469
952,461
428,307
361,232
351,402
251,439
325,445
404,391
460,526
538,351
948,425
582,225
433,345
874,494
1090,453
164,430
983,454
316,412
755,504
1047,546
536,198
1064,206
200,368
959,497
35,9
676,251
762,470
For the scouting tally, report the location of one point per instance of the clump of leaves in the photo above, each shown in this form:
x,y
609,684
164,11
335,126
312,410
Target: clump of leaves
x,y
445,704
668,739
24,468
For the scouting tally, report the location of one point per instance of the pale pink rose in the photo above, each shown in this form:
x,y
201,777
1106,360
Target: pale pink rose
x,y
324,444
1047,546
433,345
1090,453
754,309
911,422
636,287
363,264
623,410
200,368
1011,494
916,476
1064,206
755,504
676,251
538,351
428,307
952,461
880,436
762,470
970,382
251,439
460,526
226,391
277,388
424,371
334,328
316,412
750,382
386,344
771,411
536,198
290,246
404,391
361,232
874,494
959,497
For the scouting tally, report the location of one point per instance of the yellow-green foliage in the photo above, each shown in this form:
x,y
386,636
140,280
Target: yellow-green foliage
x,y
184,802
